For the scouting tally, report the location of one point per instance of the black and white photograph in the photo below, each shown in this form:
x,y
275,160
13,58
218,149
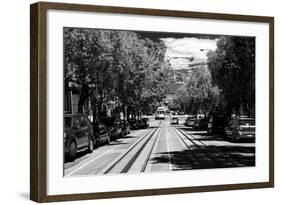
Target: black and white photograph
x,y
140,102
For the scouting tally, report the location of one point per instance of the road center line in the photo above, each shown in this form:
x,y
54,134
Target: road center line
x,y
168,150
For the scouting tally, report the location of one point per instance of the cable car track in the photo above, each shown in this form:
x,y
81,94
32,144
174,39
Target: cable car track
x,y
142,142
203,146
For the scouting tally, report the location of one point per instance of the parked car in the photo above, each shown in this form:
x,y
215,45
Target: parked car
x,y
134,124
201,123
78,135
125,127
240,128
116,130
102,133
174,120
143,123
216,124
115,127
189,122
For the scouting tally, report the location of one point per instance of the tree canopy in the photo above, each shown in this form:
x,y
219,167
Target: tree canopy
x,y
232,67
198,95
119,66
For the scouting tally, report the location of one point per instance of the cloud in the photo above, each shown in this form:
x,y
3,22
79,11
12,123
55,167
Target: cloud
x,y
178,49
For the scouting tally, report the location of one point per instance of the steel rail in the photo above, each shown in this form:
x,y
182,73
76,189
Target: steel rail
x,y
107,169
136,155
150,153
217,164
227,158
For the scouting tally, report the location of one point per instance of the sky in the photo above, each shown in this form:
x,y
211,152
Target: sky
x,y
179,48
181,45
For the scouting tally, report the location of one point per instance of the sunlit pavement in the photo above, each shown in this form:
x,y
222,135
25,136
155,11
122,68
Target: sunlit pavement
x,y
160,148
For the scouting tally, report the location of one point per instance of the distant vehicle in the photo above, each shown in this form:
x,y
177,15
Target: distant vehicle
x,y
125,127
190,121
201,123
174,120
160,113
101,132
240,128
181,113
78,135
216,124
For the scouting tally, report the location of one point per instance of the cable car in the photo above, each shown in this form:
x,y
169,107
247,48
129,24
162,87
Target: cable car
x,y
160,113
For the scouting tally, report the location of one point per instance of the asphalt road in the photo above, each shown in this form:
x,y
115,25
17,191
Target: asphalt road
x,y
160,148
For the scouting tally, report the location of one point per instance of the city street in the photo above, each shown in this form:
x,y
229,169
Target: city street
x,y
163,147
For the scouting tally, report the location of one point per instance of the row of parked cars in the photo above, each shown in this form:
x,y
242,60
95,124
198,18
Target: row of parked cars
x,y
82,135
139,123
239,127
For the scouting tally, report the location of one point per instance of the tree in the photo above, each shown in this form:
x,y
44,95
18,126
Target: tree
x,y
198,94
87,64
232,67
117,66
139,63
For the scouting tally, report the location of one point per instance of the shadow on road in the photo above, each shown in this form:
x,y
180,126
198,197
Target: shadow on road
x,y
154,126
117,143
128,137
210,157
206,137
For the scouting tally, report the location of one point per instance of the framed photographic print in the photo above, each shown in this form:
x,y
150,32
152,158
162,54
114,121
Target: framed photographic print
x,y
134,102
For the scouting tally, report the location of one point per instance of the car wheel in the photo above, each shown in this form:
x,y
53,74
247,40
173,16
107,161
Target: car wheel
x,y
72,150
91,145
210,131
108,140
